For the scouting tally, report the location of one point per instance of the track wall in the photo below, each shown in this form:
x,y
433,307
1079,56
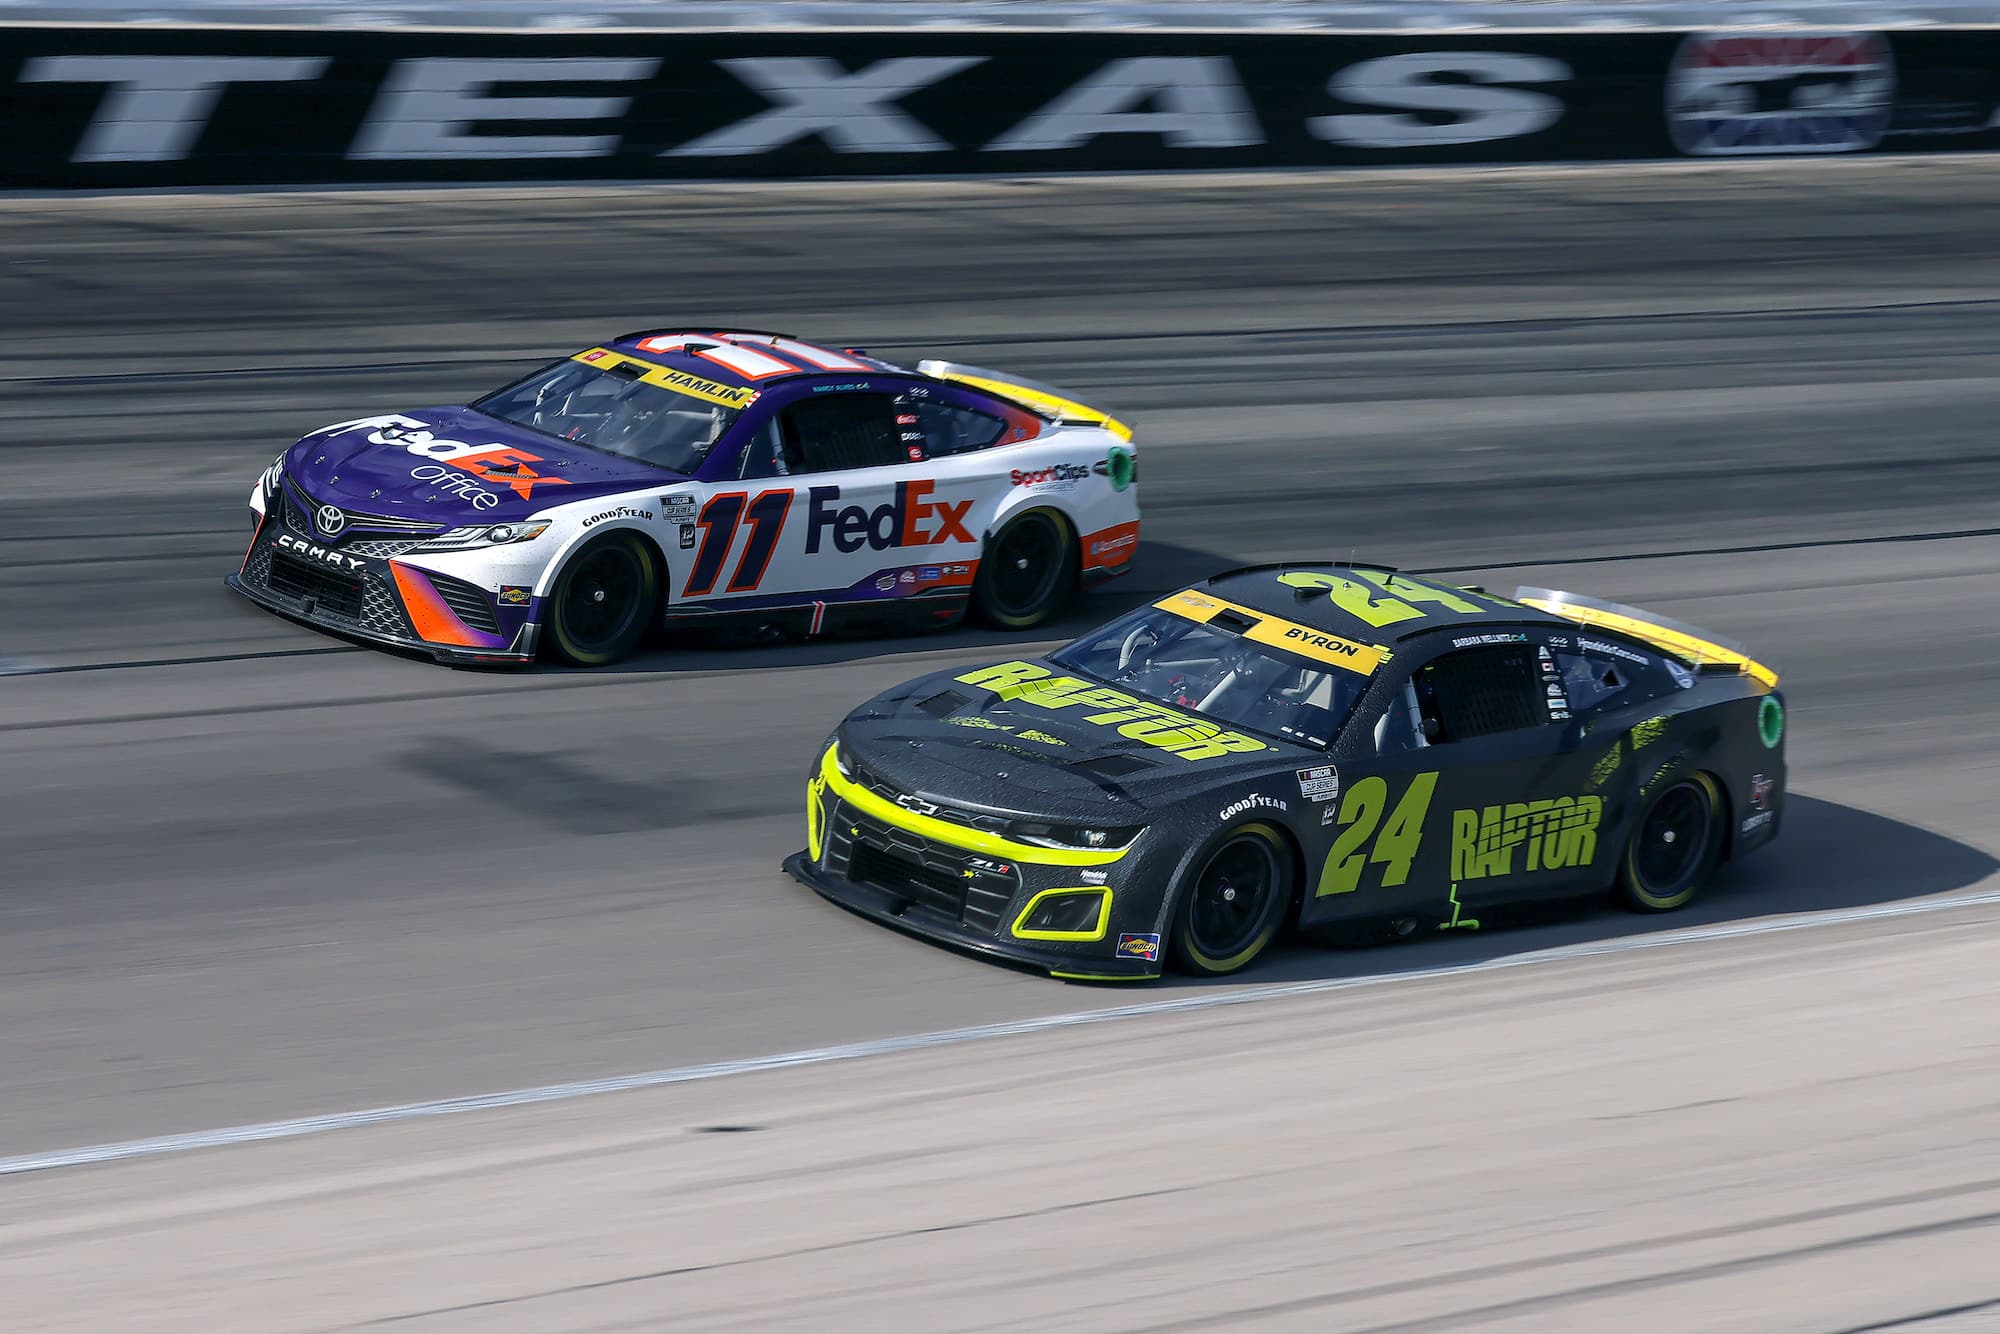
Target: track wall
x,y
130,106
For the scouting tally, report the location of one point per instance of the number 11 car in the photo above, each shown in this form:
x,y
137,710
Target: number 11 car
x,y
1296,747
689,477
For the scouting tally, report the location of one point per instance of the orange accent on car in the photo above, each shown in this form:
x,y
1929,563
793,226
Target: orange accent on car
x,y
1111,548
433,621
254,535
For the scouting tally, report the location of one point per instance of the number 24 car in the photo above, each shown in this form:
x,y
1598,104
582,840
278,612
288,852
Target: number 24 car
x,y
1296,747
672,477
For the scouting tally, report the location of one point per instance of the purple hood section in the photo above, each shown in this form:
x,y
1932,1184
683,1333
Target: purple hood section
x,y
456,466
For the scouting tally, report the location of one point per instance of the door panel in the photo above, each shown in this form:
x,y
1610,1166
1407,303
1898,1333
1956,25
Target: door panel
x,y
1518,813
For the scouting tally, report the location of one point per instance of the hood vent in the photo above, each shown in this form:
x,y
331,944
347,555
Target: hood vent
x,y
1113,766
943,705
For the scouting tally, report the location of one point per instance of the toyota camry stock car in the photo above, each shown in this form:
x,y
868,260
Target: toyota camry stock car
x,y
670,476
1301,746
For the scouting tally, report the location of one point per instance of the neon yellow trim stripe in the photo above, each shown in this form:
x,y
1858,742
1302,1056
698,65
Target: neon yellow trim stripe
x,y
1095,933
1362,659
668,378
957,835
1067,409
1673,641
1105,977
815,832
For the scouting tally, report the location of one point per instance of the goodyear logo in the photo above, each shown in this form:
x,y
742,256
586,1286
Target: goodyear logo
x,y
1140,719
1551,834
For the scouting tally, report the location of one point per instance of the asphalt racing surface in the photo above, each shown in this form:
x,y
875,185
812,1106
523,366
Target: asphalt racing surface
x,y
250,873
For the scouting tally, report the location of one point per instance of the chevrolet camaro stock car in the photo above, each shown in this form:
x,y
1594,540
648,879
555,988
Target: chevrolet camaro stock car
x,y
1299,746
669,476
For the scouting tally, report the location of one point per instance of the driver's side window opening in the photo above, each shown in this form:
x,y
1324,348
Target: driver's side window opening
x,y
1477,692
839,431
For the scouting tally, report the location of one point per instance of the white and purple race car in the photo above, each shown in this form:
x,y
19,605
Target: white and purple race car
x,y
668,477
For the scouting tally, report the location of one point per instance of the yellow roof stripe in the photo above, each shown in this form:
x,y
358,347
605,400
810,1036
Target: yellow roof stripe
x,y
1675,642
728,396
1359,658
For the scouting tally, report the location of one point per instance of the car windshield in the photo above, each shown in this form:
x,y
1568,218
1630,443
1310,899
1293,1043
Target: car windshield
x,y
614,410
1218,673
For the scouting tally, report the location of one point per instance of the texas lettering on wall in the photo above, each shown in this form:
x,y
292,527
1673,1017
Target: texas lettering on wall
x,y
247,106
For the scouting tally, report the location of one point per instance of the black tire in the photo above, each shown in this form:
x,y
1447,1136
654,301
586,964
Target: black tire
x,y
1235,902
1674,847
602,602
1026,571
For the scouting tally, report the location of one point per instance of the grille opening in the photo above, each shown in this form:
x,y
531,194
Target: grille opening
x,y
335,593
468,602
979,902
933,885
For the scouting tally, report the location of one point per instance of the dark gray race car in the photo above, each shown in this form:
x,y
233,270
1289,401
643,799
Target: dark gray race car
x,y
1296,746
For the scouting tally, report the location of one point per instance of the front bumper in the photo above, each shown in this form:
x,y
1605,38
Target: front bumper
x,y
376,614
898,910
968,889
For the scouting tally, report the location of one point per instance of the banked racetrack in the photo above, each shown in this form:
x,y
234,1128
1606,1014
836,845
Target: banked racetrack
x,y
253,874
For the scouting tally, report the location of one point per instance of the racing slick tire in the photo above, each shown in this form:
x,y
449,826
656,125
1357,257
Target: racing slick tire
x,y
1235,903
1674,847
602,601
1026,571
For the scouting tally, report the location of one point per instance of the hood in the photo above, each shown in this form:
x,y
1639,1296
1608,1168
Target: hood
x,y
1020,737
456,466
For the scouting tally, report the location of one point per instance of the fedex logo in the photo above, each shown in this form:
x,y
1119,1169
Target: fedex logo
x,y
910,520
495,463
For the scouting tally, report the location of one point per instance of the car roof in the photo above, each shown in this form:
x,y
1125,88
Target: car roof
x,y
745,358
1302,592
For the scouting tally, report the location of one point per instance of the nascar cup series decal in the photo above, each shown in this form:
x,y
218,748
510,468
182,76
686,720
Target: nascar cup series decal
x,y
1802,93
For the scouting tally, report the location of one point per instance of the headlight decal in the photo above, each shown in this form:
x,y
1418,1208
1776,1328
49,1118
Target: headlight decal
x,y
490,535
1080,913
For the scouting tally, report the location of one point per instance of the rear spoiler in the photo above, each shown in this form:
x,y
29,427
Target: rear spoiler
x,y
1695,647
1047,400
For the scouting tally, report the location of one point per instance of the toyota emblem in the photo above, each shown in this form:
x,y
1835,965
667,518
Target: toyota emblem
x,y
330,521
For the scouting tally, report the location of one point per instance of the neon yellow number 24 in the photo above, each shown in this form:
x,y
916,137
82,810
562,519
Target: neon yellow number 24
x,y
1395,848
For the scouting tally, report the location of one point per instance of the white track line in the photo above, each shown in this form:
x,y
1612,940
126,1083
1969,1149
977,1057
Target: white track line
x,y
687,1074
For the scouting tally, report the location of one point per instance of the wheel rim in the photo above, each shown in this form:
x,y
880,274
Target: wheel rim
x,y
1672,841
1026,562
601,598
1232,897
